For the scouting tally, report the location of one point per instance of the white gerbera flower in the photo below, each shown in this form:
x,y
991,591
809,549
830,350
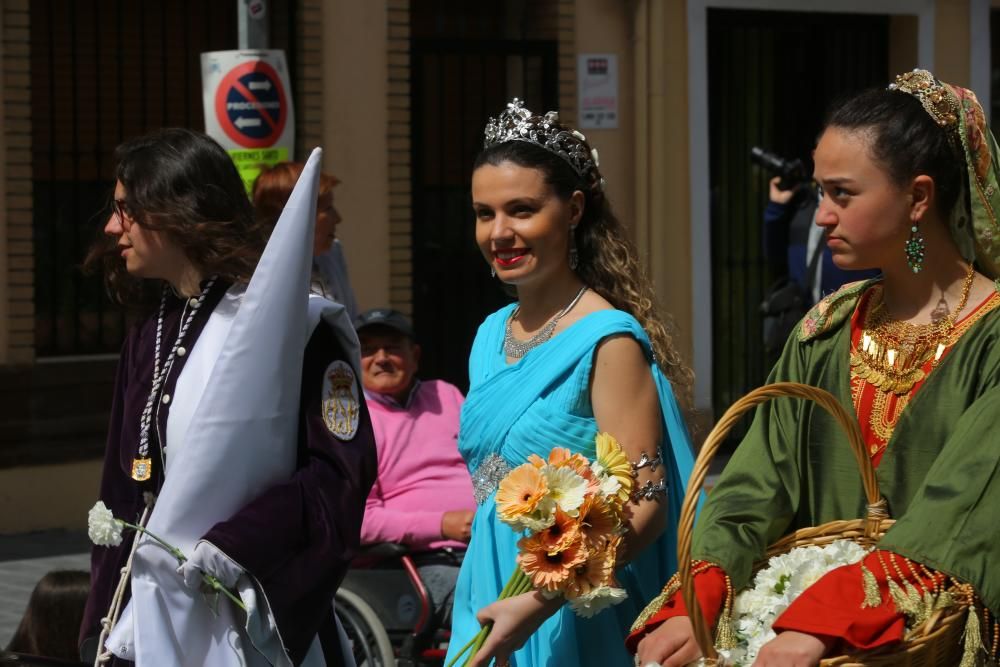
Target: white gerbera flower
x,y
566,488
610,487
102,527
597,600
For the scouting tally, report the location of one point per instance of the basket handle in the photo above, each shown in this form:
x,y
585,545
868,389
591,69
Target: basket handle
x,y
876,505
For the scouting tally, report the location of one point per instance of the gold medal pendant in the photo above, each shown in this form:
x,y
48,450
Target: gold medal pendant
x,y
142,469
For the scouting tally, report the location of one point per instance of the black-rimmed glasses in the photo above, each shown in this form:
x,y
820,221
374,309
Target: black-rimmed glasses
x,y
121,209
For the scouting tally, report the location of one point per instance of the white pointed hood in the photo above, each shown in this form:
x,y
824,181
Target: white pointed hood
x,y
242,435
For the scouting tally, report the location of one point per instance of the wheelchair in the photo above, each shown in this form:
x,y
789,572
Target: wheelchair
x,y
387,613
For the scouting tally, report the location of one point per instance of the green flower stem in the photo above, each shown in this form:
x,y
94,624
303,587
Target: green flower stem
x,y
465,648
217,585
174,551
480,640
518,584
212,582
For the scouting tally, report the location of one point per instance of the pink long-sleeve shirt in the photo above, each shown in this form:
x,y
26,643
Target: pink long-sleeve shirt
x,y
420,472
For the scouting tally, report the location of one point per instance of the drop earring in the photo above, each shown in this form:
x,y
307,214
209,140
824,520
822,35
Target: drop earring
x,y
574,255
915,249
493,271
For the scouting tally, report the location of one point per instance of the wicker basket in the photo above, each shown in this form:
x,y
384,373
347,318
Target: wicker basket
x,y
937,642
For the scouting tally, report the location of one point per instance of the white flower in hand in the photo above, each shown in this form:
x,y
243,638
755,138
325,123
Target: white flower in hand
x,y
208,559
597,600
102,527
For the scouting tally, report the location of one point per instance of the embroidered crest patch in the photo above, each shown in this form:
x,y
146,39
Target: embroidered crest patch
x,y
341,407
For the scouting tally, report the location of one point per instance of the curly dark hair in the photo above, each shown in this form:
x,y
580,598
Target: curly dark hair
x,y
181,183
608,262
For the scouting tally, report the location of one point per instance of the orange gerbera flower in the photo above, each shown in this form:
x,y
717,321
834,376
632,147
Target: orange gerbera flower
x,y
549,571
597,520
520,492
563,531
597,570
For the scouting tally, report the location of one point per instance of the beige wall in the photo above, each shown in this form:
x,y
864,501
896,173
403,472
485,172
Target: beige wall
x,y
645,160
47,497
604,26
951,41
354,138
662,181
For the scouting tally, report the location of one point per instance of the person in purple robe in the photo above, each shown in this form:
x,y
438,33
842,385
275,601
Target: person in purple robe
x,y
237,426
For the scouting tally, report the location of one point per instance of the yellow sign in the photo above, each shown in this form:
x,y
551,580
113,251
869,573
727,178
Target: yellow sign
x,y
249,162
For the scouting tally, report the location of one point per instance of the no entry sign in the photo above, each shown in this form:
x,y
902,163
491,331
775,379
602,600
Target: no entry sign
x,y
251,105
248,107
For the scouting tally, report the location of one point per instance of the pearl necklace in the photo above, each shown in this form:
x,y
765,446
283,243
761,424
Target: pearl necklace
x,y
142,464
515,349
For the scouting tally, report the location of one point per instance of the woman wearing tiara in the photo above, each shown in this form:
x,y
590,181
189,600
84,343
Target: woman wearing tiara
x,y
582,351
909,176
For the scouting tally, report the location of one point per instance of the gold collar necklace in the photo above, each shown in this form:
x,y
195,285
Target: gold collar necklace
x,y
891,354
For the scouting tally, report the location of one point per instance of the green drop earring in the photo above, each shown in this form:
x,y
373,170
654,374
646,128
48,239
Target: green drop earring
x,y
915,249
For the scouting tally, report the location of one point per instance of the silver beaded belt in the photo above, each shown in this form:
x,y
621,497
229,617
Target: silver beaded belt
x,y
486,477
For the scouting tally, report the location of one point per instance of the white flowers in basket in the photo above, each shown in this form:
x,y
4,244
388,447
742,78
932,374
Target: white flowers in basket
x,y
775,588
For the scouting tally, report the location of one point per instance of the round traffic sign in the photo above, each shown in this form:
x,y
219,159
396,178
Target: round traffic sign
x,y
251,106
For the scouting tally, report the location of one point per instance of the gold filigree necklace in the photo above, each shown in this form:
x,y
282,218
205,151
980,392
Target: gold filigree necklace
x,y
891,354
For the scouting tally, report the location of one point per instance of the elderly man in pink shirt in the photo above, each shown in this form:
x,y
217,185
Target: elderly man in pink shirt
x,y
422,496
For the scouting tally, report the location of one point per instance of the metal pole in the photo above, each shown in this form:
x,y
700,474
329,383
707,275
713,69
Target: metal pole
x,y
253,23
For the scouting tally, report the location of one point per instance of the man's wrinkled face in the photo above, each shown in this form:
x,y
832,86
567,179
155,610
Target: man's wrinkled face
x,y
389,361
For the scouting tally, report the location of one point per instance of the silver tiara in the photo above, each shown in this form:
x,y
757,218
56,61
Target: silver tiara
x,y
515,123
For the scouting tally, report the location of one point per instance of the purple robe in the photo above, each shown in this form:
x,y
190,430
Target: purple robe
x,y
296,539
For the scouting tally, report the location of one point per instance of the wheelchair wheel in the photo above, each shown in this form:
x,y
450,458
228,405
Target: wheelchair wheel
x,y
369,640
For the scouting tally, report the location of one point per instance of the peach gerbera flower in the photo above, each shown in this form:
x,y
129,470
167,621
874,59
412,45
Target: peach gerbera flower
x,y
549,571
563,531
560,457
595,571
598,520
536,460
521,492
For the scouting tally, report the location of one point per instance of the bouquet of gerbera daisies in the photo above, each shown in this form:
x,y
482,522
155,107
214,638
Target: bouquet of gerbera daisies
x,y
573,513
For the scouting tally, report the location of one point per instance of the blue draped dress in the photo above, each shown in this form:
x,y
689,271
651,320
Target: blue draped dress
x,y
529,407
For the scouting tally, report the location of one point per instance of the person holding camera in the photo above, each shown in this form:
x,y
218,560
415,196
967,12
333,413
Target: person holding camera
x,y
795,248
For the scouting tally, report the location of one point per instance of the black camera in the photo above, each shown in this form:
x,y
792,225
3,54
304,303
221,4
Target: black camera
x,y
792,172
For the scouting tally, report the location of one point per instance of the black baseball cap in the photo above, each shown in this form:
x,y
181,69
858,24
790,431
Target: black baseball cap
x,y
384,317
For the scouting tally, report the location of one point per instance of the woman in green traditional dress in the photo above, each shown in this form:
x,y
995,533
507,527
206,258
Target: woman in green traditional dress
x,y
909,179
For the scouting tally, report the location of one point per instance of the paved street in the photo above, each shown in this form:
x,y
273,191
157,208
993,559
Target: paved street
x,y
24,559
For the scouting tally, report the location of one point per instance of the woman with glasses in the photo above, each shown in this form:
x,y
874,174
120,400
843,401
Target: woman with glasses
x,y
267,501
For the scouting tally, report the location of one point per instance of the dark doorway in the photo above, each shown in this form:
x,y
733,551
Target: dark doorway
x,y
771,77
457,86
103,71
